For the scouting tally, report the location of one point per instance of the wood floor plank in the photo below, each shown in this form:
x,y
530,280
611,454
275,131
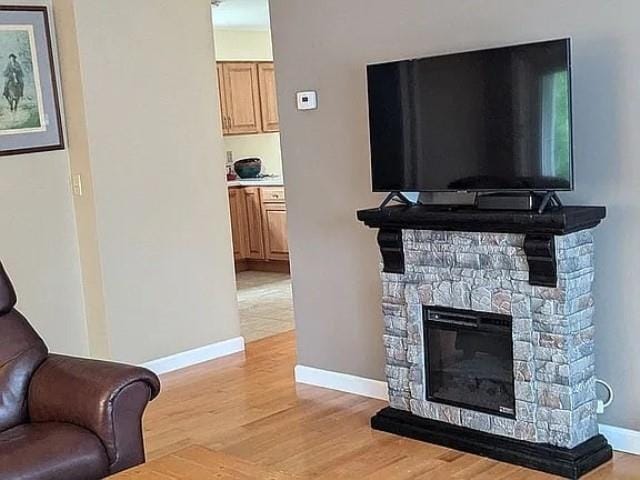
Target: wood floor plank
x,y
222,463
248,410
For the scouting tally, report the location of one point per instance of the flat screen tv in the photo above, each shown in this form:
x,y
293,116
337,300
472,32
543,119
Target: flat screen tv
x,y
486,120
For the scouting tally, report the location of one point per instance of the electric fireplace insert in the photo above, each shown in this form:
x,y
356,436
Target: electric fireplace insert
x,y
469,360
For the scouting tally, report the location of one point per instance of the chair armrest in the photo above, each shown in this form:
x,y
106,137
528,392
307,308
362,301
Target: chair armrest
x,y
104,397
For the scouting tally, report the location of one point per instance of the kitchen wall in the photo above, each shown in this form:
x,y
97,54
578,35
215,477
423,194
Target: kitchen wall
x,y
252,45
326,45
249,45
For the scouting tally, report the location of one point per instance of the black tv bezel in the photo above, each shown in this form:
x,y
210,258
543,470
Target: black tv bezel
x,y
571,188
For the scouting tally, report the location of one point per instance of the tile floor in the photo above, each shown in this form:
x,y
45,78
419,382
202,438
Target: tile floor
x,y
265,304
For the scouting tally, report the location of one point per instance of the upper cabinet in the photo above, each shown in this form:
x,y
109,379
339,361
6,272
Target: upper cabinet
x,y
241,111
268,98
247,97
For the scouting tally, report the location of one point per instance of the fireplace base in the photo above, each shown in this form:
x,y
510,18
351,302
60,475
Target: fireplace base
x,y
568,463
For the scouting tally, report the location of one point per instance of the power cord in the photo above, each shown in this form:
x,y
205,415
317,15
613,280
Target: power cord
x,y
602,404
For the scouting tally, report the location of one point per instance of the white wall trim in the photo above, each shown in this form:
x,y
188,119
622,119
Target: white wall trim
x,y
621,439
195,356
342,382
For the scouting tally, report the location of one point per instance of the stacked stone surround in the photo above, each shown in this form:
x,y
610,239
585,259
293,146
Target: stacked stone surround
x,y
553,345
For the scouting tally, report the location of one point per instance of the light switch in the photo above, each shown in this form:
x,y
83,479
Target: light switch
x,y
76,183
307,100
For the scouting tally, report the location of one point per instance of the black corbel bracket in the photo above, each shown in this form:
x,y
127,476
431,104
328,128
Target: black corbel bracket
x,y
390,241
541,255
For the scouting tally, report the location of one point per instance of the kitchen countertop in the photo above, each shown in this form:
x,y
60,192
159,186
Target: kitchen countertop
x,y
257,182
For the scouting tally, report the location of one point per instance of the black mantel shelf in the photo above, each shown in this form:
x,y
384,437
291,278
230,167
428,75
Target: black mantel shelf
x,y
555,221
539,230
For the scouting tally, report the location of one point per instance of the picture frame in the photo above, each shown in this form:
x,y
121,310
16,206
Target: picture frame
x,y
30,116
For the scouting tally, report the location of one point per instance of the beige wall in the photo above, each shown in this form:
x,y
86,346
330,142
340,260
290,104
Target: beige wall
x,y
140,266
155,154
79,158
38,245
326,155
253,46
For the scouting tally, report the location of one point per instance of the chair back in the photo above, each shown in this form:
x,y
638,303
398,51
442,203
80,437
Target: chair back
x,y
21,353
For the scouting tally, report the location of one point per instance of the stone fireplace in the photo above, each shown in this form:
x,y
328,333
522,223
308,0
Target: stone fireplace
x,y
489,330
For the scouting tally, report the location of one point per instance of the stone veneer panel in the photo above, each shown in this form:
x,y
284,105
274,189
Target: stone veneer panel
x,y
554,368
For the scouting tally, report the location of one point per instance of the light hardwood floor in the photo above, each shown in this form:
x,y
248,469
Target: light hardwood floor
x,y
197,462
248,408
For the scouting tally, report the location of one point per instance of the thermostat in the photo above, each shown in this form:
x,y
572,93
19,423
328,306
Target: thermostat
x,y
307,100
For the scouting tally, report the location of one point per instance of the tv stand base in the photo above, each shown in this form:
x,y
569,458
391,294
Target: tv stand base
x,y
398,197
518,201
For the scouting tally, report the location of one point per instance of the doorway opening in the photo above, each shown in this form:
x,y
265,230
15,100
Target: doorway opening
x,y
257,195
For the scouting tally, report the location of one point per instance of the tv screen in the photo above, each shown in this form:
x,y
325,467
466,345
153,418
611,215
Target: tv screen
x,y
487,120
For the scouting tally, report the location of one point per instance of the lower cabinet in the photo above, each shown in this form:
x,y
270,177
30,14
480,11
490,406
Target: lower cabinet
x,y
259,224
239,225
274,217
255,242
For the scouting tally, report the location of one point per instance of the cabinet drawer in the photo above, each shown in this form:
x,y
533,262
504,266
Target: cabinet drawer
x,y
273,194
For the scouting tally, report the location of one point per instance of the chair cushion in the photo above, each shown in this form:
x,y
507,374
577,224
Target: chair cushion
x,y
51,451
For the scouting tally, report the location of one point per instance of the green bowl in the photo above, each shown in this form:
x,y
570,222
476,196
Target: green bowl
x,y
248,167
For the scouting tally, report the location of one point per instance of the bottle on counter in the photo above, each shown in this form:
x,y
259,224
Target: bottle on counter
x,y
231,173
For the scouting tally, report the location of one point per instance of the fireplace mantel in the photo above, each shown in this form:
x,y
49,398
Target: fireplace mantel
x,y
556,221
539,230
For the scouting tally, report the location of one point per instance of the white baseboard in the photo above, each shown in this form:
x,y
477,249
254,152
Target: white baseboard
x,y
195,356
621,439
342,382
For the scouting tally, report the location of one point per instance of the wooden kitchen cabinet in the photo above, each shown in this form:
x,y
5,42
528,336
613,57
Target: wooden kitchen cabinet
x,y
253,210
259,227
223,99
239,224
240,98
268,98
248,101
274,217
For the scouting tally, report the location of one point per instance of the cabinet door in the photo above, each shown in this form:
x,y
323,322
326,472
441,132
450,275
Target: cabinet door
x,y
242,96
274,217
254,220
238,224
268,98
223,100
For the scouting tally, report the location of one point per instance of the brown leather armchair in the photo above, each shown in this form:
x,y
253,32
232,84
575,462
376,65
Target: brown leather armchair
x,y
64,418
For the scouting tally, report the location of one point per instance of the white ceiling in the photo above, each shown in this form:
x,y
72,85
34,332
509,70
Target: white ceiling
x,y
242,14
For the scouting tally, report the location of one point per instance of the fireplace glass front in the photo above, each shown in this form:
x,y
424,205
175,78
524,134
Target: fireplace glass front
x,y
469,360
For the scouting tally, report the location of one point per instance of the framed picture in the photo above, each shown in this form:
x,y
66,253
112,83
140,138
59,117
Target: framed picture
x,y
30,118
